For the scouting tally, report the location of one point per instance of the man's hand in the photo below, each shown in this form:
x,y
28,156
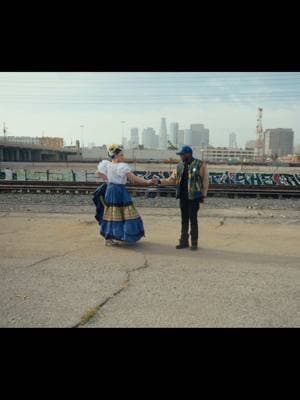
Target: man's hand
x,y
154,181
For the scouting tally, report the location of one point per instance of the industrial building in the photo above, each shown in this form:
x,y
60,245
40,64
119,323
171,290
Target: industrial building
x,y
279,142
224,154
49,142
10,151
219,154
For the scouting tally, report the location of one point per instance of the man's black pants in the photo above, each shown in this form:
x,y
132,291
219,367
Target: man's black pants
x,y
189,214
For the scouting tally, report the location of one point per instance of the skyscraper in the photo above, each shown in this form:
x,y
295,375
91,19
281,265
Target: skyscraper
x,y
232,141
174,128
149,138
199,135
180,138
163,138
124,142
188,137
134,137
279,142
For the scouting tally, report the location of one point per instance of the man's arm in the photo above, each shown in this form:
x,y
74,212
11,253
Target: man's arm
x,y
205,179
169,181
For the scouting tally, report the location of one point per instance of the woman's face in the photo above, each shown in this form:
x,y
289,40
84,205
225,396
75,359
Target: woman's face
x,y
120,157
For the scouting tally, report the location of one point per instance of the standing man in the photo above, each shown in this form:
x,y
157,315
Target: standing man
x,y
191,179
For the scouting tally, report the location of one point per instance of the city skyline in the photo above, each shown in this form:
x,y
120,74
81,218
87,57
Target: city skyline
x,y
58,104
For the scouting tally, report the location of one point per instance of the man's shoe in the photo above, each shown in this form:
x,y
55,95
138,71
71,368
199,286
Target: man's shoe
x,y
182,246
194,247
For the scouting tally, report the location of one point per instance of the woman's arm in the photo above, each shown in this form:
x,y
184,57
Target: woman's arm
x,y
139,181
101,175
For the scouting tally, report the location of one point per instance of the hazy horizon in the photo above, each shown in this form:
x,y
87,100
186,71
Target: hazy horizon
x,y
57,103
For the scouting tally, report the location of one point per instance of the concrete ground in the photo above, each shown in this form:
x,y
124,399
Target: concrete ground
x,y
56,272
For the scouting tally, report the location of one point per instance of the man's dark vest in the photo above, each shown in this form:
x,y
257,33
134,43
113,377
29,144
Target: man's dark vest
x,y
195,184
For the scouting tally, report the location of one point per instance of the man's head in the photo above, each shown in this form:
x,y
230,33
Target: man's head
x,y
185,153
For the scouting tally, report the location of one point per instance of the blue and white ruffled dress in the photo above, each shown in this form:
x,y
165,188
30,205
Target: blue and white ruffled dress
x,y
115,211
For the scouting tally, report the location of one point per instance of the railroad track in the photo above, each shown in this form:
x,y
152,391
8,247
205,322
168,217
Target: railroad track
x,y
88,188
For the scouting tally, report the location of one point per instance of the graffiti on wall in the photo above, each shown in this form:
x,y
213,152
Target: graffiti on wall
x,y
238,178
230,178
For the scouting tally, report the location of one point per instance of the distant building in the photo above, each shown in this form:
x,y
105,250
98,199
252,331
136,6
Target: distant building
x,y
174,129
188,137
50,142
163,136
224,154
250,144
149,139
124,142
54,142
279,142
134,138
22,140
232,141
199,135
180,138
297,149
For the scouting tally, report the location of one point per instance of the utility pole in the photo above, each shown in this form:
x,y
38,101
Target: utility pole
x,y
4,131
82,126
123,122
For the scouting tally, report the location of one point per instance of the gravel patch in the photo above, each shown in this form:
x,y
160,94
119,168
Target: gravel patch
x,y
62,202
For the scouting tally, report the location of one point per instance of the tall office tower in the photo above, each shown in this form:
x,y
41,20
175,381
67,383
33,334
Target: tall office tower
x,y
232,141
149,139
124,142
279,142
163,138
188,137
199,135
134,137
174,128
180,138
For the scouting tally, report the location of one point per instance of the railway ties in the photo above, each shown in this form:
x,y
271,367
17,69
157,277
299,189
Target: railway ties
x,y
88,188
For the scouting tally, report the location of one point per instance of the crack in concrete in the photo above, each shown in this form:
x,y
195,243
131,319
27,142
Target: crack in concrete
x,y
46,259
90,313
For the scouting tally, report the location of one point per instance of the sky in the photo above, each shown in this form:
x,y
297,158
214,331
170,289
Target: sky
x,y
58,103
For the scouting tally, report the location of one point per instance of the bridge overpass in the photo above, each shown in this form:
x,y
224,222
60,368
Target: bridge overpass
x,y
13,151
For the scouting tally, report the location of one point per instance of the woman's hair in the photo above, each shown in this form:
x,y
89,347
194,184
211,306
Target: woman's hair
x,y
113,150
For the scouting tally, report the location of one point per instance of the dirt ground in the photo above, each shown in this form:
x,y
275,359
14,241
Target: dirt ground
x,y
56,272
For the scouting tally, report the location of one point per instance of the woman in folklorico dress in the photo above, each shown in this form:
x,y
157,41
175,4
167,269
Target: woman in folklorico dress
x,y
116,214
